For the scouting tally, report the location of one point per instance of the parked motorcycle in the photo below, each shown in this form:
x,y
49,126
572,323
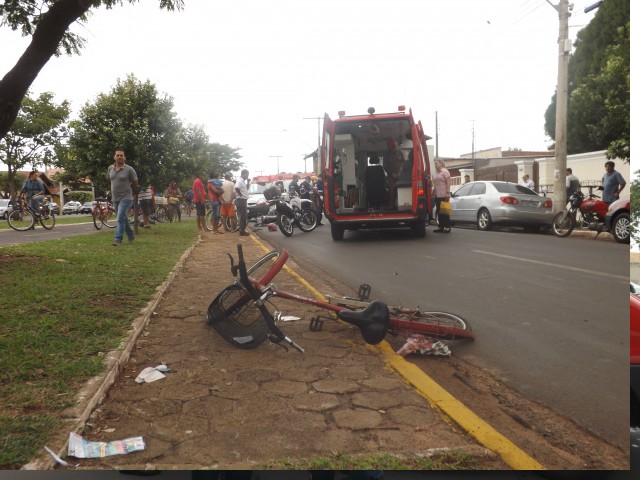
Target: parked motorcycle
x,y
298,212
592,209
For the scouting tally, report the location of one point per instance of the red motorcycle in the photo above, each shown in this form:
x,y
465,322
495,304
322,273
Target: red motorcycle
x,y
592,209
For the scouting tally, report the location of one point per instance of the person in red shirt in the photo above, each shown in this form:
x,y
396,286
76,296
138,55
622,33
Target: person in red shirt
x,y
199,199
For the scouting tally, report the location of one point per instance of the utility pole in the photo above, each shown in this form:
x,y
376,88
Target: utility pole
x,y
316,165
562,100
277,157
473,141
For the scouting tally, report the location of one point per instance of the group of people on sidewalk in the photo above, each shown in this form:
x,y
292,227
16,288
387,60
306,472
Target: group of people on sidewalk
x,y
224,197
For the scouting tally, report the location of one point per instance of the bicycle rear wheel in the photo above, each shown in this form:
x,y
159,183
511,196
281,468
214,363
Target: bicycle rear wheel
x,y
236,319
96,220
267,267
443,325
21,220
108,217
47,219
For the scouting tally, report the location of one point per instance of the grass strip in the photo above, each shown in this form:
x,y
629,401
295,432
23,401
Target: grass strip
x,y
63,305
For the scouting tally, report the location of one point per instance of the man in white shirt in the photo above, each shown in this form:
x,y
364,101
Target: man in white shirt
x,y
527,182
242,191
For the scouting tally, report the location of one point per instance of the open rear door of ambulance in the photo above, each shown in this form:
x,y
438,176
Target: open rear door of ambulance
x,y
327,166
427,169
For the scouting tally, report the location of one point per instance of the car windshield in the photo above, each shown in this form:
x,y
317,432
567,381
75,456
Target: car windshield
x,y
4,203
504,187
256,188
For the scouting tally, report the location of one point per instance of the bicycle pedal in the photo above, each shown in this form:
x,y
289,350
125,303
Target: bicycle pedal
x,y
363,292
315,324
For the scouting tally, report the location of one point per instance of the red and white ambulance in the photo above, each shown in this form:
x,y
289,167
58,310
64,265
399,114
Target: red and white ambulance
x,y
376,172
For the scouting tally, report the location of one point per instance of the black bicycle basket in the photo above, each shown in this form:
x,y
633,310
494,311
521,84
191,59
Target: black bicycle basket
x,y
234,316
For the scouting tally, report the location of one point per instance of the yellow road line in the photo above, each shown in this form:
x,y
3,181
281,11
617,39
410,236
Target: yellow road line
x,y
439,398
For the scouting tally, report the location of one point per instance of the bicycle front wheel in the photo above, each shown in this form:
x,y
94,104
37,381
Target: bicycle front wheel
x,y
235,317
47,219
267,267
443,325
97,223
21,220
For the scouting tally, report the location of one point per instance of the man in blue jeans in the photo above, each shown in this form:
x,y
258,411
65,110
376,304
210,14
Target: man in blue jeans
x,y
123,180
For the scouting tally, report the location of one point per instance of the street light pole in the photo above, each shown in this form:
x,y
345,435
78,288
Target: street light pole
x,y
562,100
316,166
278,157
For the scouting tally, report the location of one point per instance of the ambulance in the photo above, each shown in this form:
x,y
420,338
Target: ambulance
x,y
376,172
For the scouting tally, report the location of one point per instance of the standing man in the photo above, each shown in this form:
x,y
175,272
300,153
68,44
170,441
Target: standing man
x,y
527,182
318,199
214,188
242,192
228,210
573,184
199,199
123,180
147,201
33,190
612,182
441,188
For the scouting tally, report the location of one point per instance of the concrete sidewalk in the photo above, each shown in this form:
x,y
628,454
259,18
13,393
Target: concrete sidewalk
x,y
226,408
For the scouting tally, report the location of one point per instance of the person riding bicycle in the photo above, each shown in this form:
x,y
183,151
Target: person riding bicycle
x,y
33,189
173,195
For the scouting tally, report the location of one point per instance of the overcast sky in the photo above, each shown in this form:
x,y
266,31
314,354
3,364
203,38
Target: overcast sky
x,y
257,73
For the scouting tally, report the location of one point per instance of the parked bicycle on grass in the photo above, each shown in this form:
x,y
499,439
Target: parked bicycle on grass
x,y
24,216
243,315
103,214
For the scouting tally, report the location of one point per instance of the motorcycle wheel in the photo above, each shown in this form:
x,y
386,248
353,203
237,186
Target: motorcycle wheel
x,y
285,224
563,224
307,220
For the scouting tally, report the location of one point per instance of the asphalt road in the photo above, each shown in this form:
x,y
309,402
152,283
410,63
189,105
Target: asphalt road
x,y
10,237
550,314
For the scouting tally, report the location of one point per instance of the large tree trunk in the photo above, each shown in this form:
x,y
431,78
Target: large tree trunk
x,y
44,43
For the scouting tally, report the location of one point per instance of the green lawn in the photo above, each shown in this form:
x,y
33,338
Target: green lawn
x,y
63,304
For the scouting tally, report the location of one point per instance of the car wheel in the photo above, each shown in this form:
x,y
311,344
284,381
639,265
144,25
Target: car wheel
x,y
484,220
621,228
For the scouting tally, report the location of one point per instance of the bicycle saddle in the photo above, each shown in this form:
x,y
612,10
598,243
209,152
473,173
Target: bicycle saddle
x,y
373,321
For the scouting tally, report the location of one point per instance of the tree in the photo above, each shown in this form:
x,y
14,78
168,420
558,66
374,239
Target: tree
x,y
38,128
135,117
599,87
50,36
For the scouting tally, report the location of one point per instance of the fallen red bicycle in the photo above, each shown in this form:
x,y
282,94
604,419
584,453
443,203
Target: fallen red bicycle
x,y
244,317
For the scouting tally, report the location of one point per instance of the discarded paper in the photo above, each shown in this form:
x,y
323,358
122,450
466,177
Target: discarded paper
x,y
417,343
81,448
151,374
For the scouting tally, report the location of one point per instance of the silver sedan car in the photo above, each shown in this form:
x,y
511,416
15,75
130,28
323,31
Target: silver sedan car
x,y
489,203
